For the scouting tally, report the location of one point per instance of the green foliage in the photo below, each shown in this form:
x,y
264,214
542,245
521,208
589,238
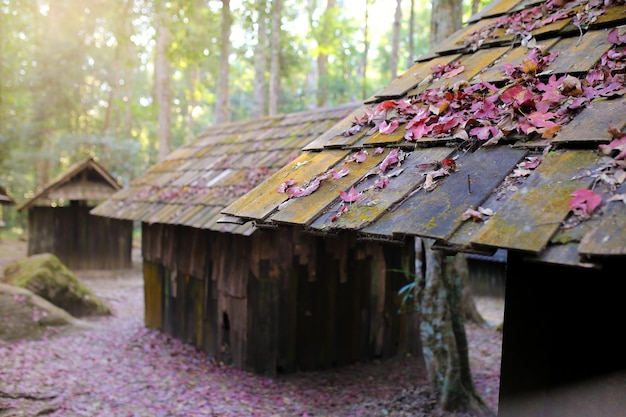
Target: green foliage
x,y
76,76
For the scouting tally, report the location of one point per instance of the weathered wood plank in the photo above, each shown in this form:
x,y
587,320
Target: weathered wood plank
x,y
374,201
304,209
595,121
303,168
262,322
153,296
336,131
605,239
308,324
473,64
438,213
579,54
210,326
533,214
412,77
515,57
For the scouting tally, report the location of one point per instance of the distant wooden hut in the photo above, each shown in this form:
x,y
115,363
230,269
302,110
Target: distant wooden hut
x,y
263,300
59,221
5,200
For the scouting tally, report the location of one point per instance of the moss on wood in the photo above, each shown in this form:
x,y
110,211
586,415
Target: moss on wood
x,y
45,275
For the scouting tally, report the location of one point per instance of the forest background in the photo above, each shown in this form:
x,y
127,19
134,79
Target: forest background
x,y
129,81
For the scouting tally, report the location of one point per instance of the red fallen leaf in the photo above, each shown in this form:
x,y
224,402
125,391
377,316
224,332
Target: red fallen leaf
x,y
351,196
481,214
389,160
541,119
615,37
379,150
283,187
381,182
484,132
618,145
584,202
342,210
360,156
450,163
386,105
531,162
339,174
309,189
454,72
387,128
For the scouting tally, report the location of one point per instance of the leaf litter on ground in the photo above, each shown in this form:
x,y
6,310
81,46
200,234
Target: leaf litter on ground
x,y
122,368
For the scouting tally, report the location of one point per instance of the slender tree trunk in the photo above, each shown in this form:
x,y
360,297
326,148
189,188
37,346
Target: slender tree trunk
x,y
260,62
412,34
395,40
475,6
446,18
322,68
194,82
442,328
366,47
274,87
222,109
459,267
162,72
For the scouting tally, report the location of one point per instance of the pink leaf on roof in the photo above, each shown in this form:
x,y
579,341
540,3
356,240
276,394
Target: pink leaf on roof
x,y
616,38
382,182
339,174
617,147
283,187
360,156
389,160
351,196
584,202
484,132
387,128
454,72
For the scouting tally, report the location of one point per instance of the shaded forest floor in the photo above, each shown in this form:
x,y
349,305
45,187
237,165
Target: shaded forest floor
x,y
120,368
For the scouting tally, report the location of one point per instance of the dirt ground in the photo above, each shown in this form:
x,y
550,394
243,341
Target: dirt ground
x,y
120,368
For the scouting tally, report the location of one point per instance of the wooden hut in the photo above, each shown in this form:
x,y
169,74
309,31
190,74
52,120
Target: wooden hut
x,y
261,299
59,221
509,135
5,200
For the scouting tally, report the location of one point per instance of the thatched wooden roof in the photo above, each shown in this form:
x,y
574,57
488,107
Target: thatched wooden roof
x,y
85,180
196,181
5,198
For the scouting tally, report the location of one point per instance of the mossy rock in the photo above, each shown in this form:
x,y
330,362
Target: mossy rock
x,y
45,275
24,315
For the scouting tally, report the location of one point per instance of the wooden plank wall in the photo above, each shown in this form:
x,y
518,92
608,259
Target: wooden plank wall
x,y
79,239
281,300
153,295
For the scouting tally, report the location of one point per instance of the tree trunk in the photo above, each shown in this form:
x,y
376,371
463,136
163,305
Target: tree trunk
x,y
260,62
412,34
475,6
442,328
322,67
366,47
395,41
274,87
446,18
468,305
163,88
222,109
